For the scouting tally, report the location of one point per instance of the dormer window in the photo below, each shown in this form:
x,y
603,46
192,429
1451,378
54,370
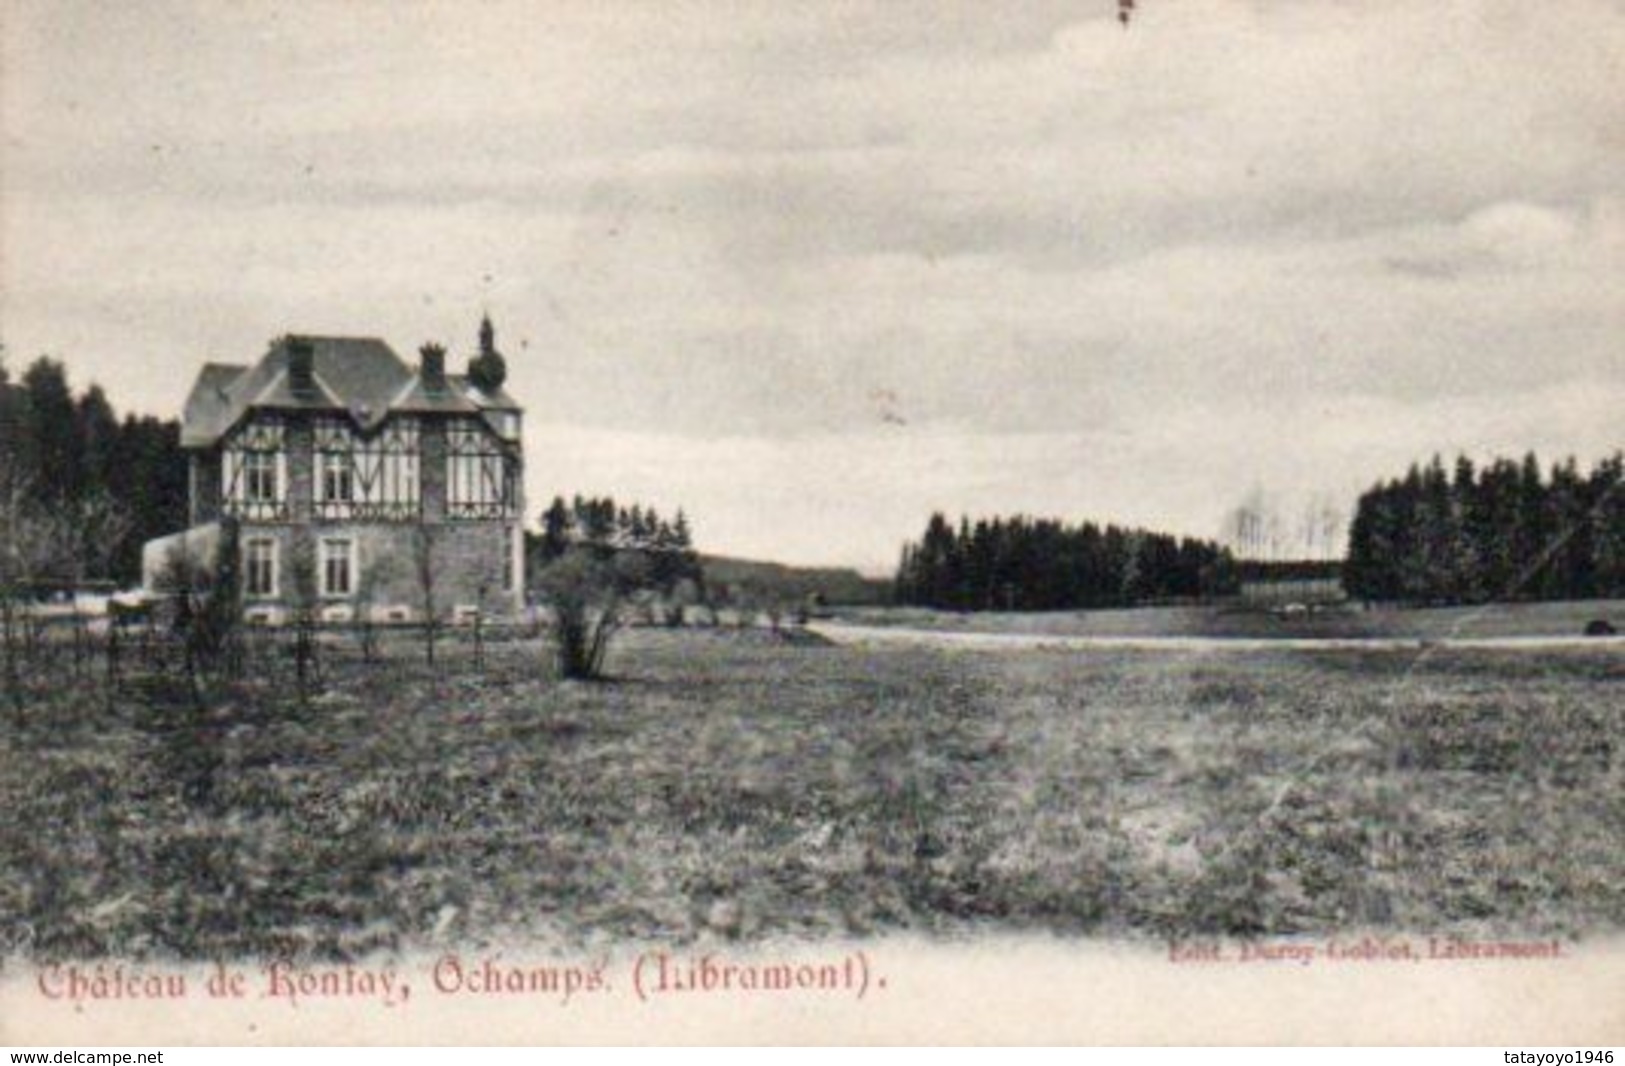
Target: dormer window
x,y
335,470
261,477
373,476
253,471
338,480
481,473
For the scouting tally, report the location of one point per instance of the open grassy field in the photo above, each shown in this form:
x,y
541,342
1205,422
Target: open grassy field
x,y
738,785
1496,620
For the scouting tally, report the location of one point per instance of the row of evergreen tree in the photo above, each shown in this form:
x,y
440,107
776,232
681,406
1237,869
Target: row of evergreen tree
x,y
68,463
1509,531
1027,564
601,523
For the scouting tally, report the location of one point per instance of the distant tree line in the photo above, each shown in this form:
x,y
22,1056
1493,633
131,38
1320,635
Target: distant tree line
x,y
1027,564
1509,531
606,527
82,489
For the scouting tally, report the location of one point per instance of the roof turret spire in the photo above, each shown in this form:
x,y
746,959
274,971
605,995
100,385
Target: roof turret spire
x,y
488,335
487,370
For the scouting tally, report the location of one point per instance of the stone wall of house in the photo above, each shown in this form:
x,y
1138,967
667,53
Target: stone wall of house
x,y
203,473
471,567
432,467
300,442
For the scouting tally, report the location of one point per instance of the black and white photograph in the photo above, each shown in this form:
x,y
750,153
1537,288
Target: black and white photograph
x,y
727,521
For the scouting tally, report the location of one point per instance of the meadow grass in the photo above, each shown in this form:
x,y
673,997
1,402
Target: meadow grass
x,y
737,786
1566,618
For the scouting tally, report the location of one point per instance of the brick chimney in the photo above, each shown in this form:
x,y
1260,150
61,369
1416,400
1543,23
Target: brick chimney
x,y
432,367
302,368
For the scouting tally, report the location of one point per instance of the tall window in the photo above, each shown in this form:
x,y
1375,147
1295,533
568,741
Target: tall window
x,y
260,480
337,565
253,469
481,475
371,477
335,470
259,567
338,480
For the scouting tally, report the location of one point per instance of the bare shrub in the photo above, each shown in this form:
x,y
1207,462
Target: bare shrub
x,y
588,591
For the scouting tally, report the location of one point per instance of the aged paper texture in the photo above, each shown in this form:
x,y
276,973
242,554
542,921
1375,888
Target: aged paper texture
x,y
716,521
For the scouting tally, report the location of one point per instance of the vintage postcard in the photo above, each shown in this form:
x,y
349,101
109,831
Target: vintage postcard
x,y
720,521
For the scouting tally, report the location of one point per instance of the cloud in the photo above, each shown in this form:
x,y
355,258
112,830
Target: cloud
x,y
853,497
722,229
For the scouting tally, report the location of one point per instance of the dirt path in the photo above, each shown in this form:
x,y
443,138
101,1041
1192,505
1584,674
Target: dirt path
x,y
859,636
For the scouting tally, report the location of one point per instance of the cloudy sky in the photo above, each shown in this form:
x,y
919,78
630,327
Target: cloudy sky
x,y
813,270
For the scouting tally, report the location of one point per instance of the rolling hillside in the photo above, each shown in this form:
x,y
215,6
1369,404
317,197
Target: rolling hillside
x,y
838,586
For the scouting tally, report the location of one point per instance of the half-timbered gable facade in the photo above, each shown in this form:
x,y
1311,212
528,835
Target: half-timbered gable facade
x,y
359,484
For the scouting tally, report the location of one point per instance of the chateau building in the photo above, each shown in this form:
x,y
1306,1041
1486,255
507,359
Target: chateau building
x,y
358,483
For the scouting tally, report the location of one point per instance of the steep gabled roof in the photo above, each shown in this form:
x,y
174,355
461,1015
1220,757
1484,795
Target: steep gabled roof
x,y
208,406
359,376
485,399
419,397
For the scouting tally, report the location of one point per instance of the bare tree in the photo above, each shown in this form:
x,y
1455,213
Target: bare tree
x,y
1321,528
1332,528
1241,530
424,540
375,573
1254,529
480,595
86,532
206,598
24,541
207,608
304,599
32,552
588,591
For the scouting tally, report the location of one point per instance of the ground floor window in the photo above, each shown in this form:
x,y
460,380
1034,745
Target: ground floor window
x,y
259,567
337,566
